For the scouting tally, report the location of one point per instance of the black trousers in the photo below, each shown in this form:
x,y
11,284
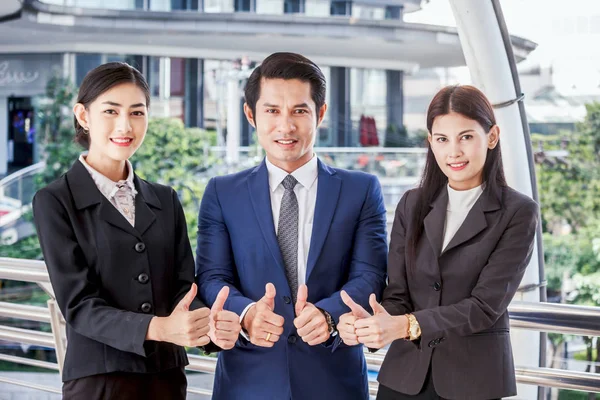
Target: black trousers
x,y
170,384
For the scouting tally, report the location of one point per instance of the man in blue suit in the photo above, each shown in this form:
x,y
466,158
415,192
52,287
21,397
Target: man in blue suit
x,y
286,237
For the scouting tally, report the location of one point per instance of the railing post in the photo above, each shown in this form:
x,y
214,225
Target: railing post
x,y
57,322
20,186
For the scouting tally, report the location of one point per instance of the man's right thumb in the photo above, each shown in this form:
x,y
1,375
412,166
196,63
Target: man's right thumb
x,y
269,297
357,310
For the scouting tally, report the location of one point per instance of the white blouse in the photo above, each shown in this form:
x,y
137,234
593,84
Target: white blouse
x,y
460,203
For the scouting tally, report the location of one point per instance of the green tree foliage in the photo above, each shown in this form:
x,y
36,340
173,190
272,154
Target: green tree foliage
x,y
396,136
569,190
174,155
570,187
56,131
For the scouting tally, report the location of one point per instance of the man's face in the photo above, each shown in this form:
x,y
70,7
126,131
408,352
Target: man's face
x,y
286,121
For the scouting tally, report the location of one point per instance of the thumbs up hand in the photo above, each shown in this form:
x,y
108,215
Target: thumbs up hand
x,y
346,324
262,325
301,299
224,325
310,322
382,328
183,327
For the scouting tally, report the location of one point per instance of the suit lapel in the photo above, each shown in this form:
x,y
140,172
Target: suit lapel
x,y
110,214
434,222
475,222
86,193
260,196
144,216
328,192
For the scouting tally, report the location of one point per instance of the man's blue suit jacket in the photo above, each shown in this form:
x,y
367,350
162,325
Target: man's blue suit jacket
x,y
237,246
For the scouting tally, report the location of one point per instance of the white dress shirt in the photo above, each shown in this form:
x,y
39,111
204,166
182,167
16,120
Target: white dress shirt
x,y
120,194
306,194
460,203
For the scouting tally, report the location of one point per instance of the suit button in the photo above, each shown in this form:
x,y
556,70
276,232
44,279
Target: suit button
x,y
432,343
143,278
292,339
146,307
287,300
140,247
437,286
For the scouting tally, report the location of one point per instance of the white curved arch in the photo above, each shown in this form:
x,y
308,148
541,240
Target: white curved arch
x,y
482,33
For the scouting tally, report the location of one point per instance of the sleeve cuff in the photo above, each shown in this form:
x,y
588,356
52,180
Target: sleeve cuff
x,y
139,338
242,315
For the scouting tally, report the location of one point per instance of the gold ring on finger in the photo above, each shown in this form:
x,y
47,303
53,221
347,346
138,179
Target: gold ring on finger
x,y
268,336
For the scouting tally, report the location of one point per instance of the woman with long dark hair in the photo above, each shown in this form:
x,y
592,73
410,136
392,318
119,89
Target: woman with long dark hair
x,y
460,245
119,258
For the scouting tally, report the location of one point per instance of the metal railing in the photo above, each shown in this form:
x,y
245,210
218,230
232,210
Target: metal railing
x,y
16,193
560,318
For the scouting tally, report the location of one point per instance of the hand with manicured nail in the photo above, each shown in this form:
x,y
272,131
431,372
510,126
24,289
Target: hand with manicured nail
x,y
310,322
224,325
263,326
183,327
346,324
382,328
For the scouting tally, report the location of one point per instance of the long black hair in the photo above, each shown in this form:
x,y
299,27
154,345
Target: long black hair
x,y
471,103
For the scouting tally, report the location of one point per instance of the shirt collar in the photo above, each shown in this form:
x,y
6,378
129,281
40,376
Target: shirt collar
x,y
306,175
107,185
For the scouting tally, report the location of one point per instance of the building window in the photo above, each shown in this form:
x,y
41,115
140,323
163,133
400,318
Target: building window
x,y
341,7
245,5
393,12
84,63
178,77
293,6
154,76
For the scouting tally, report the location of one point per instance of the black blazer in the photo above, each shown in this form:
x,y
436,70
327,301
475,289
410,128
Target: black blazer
x,y
110,278
460,296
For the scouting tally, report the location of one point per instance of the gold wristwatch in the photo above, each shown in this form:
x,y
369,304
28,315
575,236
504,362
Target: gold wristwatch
x,y
414,329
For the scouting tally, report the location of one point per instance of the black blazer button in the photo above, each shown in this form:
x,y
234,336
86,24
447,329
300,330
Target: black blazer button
x,y
143,278
287,300
292,339
140,247
437,286
146,307
432,344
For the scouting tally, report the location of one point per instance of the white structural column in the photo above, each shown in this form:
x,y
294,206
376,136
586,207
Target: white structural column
x,y
4,147
234,121
316,8
481,39
269,7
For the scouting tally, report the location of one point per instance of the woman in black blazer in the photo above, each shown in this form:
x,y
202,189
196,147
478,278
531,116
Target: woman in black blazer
x,y
460,244
119,258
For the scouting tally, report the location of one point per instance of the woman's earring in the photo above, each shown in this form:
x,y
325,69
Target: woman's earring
x,y
86,130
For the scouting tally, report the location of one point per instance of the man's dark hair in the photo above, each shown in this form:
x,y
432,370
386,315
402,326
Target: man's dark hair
x,y
286,66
